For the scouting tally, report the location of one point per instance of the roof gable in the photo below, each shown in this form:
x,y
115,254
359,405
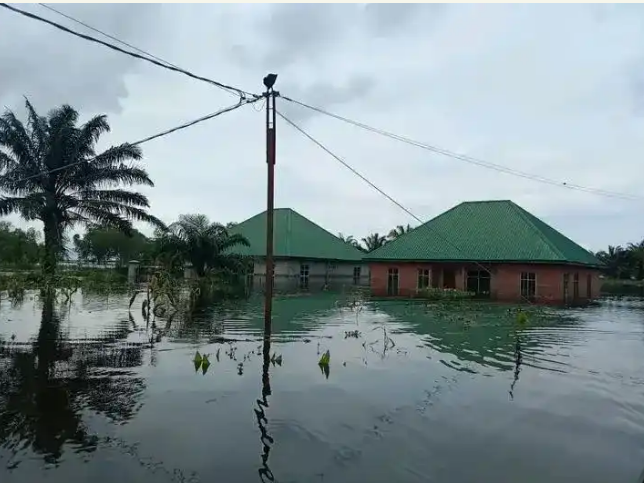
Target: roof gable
x,y
485,231
295,237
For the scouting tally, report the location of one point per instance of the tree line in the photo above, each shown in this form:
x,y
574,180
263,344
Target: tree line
x,y
624,263
375,240
50,171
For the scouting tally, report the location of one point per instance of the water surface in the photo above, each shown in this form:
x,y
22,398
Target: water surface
x,y
91,392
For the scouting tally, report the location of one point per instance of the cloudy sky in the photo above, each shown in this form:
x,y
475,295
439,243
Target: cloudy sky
x,y
553,90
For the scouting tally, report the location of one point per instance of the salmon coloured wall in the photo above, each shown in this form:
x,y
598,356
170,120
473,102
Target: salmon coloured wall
x,y
505,284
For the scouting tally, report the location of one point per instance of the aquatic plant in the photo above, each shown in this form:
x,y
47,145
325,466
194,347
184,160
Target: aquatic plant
x,y
444,294
202,362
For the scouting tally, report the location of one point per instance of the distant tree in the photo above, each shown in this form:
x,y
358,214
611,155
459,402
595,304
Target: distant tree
x,y
194,239
19,247
398,231
636,251
231,224
49,171
373,241
351,241
102,244
616,260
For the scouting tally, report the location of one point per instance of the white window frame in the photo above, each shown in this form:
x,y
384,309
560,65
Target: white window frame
x,y
429,278
536,285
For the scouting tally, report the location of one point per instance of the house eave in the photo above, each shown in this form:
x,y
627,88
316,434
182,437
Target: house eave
x,y
484,262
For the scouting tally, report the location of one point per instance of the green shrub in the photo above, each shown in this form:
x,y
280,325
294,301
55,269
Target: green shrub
x,y
441,294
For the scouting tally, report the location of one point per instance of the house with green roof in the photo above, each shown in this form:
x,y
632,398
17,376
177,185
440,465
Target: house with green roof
x,y
495,249
307,257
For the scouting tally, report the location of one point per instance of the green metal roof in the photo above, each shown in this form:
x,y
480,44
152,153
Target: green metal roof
x,y
491,231
295,237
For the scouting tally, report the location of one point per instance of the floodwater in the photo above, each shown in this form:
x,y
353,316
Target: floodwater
x,y
90,392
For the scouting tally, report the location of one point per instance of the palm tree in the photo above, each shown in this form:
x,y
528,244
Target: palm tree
x,y
398,231
351,241
374,241
616,261
49,171
194,239
636,251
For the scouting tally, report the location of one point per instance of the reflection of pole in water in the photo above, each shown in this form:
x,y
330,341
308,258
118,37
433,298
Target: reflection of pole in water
x,y
265,473
517,365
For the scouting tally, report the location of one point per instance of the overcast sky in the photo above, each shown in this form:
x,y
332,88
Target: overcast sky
x,y
554,90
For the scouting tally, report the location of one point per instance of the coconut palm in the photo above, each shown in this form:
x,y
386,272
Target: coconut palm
x,y
49,171
616,261
350,240
373,241
398,231
636,251
205,245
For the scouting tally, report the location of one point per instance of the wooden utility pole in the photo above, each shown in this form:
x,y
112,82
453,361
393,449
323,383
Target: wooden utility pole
x,y
270,95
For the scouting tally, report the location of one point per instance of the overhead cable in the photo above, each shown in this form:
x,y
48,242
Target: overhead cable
x,y
235,90
241,103
109,36
445,239
469,159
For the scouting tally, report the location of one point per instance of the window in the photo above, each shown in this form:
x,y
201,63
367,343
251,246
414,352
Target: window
x,y
304,276
566,282
356,275
423,278
589,286
392,281
575,286
528,285
478,282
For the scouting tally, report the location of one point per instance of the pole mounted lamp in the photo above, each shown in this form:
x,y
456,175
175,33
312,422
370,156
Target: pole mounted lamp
x,y
269,81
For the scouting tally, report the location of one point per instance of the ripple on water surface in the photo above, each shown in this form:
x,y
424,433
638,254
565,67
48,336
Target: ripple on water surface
x,y
413,393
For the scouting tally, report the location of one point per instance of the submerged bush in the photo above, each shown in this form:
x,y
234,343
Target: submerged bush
x,y
440,294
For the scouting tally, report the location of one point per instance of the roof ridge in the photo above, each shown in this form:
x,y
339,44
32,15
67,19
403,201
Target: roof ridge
x,y
523,213
404,235
478,202
324,230
291,221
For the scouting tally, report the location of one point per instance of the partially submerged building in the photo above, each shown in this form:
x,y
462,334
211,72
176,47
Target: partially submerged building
x,y
495,249
307,257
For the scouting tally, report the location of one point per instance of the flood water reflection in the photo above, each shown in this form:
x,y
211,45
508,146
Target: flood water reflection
x,y
91,391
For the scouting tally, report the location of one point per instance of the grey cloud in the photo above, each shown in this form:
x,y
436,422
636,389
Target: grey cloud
x,y
324,95
296,31
52,67
387,19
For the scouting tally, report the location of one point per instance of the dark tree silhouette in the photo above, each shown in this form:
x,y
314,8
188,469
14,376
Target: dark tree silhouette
x,y
46,386
49,171
373,241
194,239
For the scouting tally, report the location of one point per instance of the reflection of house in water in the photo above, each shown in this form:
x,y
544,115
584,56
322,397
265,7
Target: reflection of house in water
x,y
307,257
45,386
482,334
495,249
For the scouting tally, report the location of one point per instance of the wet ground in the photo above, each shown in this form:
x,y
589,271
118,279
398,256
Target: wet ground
x,y
91,392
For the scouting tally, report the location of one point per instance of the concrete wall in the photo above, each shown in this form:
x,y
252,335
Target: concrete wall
x,y
505,283
335,275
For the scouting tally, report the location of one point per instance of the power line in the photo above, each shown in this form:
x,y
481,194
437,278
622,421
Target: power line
x,y
379,190
241,103
225,87
348,166
469,159
109,36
